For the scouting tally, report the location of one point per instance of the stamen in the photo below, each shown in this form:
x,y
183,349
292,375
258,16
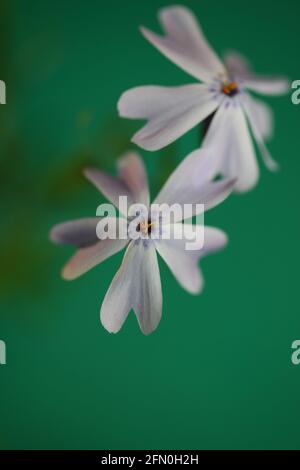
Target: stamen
x,y
230,89
145,227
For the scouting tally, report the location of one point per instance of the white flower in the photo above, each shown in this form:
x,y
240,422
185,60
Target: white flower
x,y
173,111
137,284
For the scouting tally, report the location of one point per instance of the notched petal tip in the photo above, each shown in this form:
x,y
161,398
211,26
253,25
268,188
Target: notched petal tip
x,y
175,7
197,290
128,102
214,240
273,166
109,329
70,271
128,158
67,274
88,171
54,235
241,188
148,331
145,144
57,234
147,33
285,85
225,242
121,105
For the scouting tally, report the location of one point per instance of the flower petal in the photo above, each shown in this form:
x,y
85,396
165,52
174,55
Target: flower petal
x,y
118,300
237,65
171,112
214,193
135,286
268,85
191,182
270,163
184,263
132,171
198,168
229,133
185,44
111,187
131,181
262,116
89,257
148,303
239,68
214,240
80,232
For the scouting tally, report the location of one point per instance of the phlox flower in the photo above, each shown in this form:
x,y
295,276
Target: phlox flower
x,y
137,284
223,94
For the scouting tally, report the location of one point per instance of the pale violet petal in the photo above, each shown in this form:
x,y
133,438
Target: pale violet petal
x,y
183,263
191,182
268,85
118,300
87,258
131,181
132,171
237,65
184,43
239,68
136,286
148,303
171,112
111,187
81,232
229,132
270,163
214,241
151,100
214,193
262,116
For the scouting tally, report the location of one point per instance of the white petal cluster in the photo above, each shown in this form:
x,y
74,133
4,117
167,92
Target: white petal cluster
x,y
204,179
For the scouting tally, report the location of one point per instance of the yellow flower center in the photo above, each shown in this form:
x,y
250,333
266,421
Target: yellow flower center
x,y
230,89
145,227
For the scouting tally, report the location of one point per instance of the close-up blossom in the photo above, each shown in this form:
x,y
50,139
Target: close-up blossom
x,y
223,95
137,283
120,336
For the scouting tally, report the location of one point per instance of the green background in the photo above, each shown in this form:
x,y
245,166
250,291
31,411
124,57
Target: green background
x,y
217,373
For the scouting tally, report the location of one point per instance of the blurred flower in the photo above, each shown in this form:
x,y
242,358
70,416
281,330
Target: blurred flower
x,y
137,284
172,111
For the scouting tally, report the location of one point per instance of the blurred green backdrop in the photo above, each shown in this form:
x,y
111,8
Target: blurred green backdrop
x,y
217,373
